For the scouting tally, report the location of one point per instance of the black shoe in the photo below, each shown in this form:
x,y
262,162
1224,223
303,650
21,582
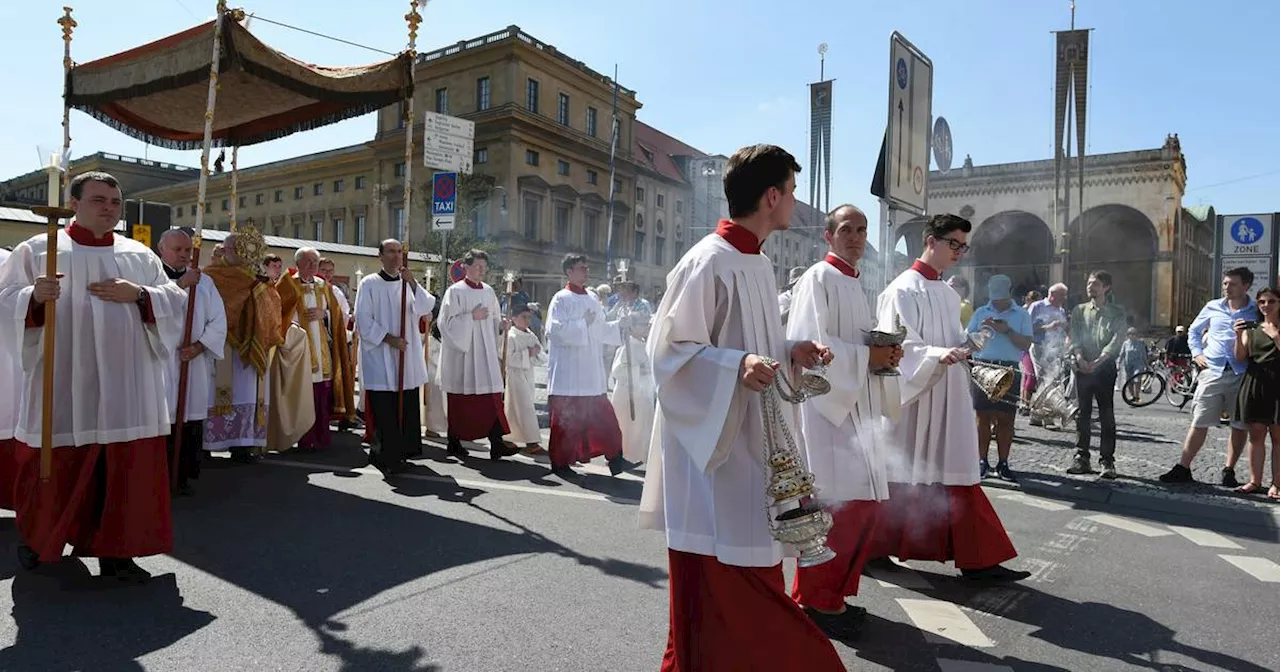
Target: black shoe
x,y
1109,470
842,627
567,473
1229,477
620,464
1004,473
1080,465
984,468
1179,474
499,449
455,449
28,559
123,569
243,456
996,573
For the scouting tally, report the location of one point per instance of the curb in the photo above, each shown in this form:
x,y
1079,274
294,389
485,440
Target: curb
x,y
1088,494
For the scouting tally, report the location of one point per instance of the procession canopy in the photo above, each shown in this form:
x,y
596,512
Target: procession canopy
x,y
158,92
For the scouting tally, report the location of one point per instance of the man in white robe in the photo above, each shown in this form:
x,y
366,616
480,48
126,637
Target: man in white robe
x,y
470,322
706,478
118,319
208,339
524,351
633,390
10,400
385,338
583,425
843,429
936,508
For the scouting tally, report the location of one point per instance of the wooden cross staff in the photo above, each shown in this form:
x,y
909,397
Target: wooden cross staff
x,y
413,18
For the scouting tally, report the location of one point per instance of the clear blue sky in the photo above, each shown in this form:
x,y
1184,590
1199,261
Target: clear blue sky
x,y
722,74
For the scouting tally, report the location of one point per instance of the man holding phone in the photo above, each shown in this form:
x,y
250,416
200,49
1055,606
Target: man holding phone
x,y
1011,329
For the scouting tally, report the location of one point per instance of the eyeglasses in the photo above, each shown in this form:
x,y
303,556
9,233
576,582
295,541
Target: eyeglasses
x,y
956,246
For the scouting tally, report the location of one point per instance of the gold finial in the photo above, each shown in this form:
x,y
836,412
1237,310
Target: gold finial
x,y
413,18
237,14
68,24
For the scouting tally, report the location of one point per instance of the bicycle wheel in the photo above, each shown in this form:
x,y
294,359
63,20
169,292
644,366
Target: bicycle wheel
x,y
1182,388
1142,389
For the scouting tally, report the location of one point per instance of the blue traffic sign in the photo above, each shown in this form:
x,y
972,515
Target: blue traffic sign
x,y
444,194
902,73
1247,230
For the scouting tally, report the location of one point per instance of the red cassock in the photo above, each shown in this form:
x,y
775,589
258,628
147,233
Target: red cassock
x,y
8,472
852,537
472,416
942,522
107,501
739,619
582,428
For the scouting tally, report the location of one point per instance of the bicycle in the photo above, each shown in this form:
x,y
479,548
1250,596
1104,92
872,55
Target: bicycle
x,y
1163,373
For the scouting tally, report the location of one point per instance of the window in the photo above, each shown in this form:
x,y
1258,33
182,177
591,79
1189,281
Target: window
x,y
297,229
360,219
480,216
679,206
399,169
297,193
339,231
360,182
617,185
531,96
442,101
482,93
590,234
397,219
177,212
279,197
639,246
206,207
659,251
532,206
226,204
591,121
317,189
319,224
400,114
562,110
242,201
562,223
337,186
531,157
562,167
257,200
592,177
639,194
482,155
661,200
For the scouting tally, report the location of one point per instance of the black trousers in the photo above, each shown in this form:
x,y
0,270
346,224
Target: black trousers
x,y
192,448
394,441
1098,386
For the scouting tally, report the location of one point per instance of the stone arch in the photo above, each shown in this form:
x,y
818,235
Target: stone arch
x,y
1013,243
912,233
1124,242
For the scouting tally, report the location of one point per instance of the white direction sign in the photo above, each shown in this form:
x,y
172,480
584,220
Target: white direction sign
x,y
1246,235
448,143
910,118
1261,267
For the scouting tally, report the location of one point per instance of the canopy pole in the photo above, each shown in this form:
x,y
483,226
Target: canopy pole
x,y
413,18
202,192
235,179
53,213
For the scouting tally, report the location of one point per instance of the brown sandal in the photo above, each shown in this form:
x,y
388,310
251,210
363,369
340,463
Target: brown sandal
x,y
1249,488
1274,492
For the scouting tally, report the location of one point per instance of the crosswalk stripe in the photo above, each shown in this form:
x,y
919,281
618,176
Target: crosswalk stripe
x,y
944,623
1129,525
1261,569
1205,537
1035,501
948,665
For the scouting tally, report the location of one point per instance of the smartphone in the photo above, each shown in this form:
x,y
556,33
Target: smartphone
x,y
1250,324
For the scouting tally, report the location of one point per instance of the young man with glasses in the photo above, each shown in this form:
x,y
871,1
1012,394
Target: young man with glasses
x,y
1098,330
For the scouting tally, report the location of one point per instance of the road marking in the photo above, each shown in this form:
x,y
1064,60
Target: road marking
x,y
1261,569
1205,537
447,480
1129,525
1035,501
944,623
947,665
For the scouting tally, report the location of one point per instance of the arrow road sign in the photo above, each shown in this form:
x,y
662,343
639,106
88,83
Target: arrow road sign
x,y
910,121
448,142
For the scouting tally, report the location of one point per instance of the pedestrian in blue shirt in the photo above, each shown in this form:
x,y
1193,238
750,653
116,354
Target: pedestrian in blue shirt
x,y
1212,342
1133,360
1011,327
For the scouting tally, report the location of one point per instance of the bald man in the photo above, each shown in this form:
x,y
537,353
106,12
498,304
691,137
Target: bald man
x,y
200,351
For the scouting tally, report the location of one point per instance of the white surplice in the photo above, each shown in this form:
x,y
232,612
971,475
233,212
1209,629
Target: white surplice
x,y
208,327
936,438
377,315
435,416
10,377
313,296
469,362
636,434
519,404
109,364
575,349
844,429
706,476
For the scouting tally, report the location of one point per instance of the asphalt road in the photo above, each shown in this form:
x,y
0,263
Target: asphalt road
x,y
313,563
